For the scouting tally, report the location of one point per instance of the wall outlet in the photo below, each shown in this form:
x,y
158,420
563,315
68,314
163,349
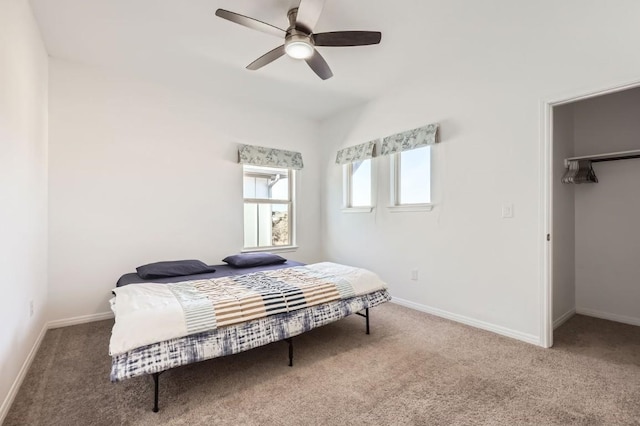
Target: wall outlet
x,y
414,275
30,309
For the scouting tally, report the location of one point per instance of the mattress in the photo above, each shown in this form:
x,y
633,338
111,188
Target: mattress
x,y
190,307
221,271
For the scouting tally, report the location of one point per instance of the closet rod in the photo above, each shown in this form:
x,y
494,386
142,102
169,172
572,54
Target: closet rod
x,y
611,156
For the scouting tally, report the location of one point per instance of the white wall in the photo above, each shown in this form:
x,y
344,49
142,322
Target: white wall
x,y
563,233
473,265
607,232
141,173
23,190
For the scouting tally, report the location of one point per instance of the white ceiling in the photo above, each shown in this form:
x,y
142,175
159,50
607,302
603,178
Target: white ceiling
x,y
183,42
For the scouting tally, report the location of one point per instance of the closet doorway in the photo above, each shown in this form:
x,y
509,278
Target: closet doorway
x,y
593,209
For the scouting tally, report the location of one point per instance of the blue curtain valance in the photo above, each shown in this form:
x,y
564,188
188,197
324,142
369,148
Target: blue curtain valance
x,y
269,157
354,153
411,139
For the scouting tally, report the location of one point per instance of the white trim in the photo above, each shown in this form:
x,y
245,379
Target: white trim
x,y
346,185
279,249
546,194
293,220
82,319
580,95
15,387
608,316
265,201
546,226
525,337
564,318
394,187
357,209
411,208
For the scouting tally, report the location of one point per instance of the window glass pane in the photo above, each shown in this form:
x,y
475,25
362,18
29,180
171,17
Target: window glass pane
x,y
280,224
249,187
262,187
415,176
266,183
361,183
250,225
280,188
264,225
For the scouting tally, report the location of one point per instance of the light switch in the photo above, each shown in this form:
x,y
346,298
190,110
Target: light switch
x,y
507,211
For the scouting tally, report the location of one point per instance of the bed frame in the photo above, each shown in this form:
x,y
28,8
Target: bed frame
x,y
156,376
156,358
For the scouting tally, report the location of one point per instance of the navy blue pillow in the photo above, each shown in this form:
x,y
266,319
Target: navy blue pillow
x,y
173,268
247,260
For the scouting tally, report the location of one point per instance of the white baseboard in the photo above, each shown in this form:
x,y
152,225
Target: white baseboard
x,y
563,318
13,391
79,320
608,316
15,387
529,338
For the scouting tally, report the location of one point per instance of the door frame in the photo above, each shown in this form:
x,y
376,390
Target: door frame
x,y
546,202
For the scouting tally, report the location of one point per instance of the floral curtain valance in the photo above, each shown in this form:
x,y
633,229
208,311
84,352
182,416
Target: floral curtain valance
x,y
411,139
354,153
269,157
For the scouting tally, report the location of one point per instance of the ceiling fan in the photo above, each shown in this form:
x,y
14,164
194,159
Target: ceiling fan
x,y
299,39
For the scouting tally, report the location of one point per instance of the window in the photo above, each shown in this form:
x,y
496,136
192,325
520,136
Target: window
x,y
411,177
268,207
357,185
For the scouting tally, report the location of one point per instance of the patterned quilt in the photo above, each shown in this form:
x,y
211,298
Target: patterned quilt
x,y
191,307
236,338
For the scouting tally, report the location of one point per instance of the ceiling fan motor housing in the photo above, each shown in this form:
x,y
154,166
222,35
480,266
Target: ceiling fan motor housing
x,y
298,43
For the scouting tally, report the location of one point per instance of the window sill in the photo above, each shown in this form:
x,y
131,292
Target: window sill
x,y
274,249
357,209
411,208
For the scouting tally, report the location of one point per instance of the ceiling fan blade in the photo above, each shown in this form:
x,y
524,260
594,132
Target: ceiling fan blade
x,y
319,66
251,23
347,38
309,13
267,58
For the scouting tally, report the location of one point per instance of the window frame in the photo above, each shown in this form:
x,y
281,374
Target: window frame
x,y
395,181
291,202
347,189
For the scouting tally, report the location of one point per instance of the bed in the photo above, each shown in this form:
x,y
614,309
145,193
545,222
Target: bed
x,y
211,315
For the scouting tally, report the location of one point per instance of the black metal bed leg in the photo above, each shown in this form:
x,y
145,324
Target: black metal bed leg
x,y
290,341
155,394
367,318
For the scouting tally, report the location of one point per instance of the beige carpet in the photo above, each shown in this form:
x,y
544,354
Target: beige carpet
x,y
413,369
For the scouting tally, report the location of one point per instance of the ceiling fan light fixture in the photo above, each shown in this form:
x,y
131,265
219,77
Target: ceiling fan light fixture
x,y
299,49
300,40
